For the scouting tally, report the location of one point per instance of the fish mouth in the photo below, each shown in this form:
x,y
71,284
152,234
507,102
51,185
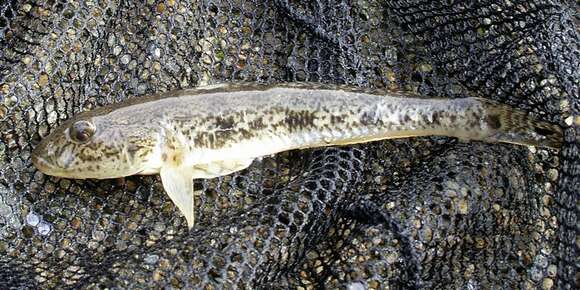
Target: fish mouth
x,y
48,168
44,165
47,165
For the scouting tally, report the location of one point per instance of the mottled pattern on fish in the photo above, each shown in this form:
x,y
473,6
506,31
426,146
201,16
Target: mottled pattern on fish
x,y
216,130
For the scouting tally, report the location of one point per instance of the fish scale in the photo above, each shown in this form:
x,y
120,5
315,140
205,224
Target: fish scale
x,y
216,130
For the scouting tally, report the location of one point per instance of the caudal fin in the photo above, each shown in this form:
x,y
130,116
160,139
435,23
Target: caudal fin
x,y
511,125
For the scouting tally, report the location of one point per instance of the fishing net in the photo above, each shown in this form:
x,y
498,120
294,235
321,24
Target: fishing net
x,y
409,213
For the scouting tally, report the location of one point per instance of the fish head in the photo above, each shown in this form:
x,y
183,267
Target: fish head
x,y
90,146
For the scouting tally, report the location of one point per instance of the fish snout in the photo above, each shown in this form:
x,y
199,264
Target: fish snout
x,y
40,163
43,159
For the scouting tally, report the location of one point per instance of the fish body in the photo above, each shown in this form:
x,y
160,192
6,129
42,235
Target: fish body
x,y
216,130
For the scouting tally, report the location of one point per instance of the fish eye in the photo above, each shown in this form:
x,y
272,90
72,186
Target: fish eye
x,y
81,131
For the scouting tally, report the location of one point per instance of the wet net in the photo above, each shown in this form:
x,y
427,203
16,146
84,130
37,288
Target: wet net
x,y
409,213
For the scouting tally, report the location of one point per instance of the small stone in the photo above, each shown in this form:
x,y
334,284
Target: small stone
x,y
43,80
425,67
206,59
44,228
548,187
5,89
546,200
222,30
11,101
417,223
5,210
156,66
27,59
26,7
462,206
28,231
427,234
480,243
245,46
125,59
117,50
552,270
528,285
75,223
65,243
32,219
486,21
392,258
356,286
553,174
156,275
547,283
564,105
379,179
160,8
93,245
151,259
52,117
541,261
98,235
536,274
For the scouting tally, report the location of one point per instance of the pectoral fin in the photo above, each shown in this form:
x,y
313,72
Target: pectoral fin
x,y
178,183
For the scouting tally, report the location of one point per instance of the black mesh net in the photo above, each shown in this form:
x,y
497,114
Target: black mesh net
x,y
417,213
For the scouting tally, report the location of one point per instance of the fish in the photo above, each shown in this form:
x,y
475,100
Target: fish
x,y
216,130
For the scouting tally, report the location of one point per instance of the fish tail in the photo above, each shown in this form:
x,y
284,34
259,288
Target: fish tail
x,y
511,125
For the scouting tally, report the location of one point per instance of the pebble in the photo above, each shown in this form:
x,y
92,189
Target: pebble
x,y
356,286
11,101
462,206
43,80
32,219
98,235
26,60
125,59
156,275
52,117
151,259
5,89
547,283
44,228
26,7
552,270
160,8
117,50
5,210
553,174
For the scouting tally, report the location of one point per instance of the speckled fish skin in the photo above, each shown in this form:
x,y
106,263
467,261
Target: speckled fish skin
x,y
215,130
